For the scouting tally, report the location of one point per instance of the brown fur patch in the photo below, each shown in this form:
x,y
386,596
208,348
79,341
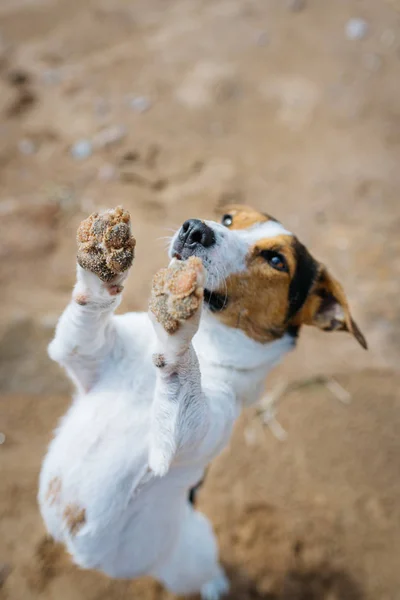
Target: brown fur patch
x,y
74,517
54,491
265,303
243,216
258,298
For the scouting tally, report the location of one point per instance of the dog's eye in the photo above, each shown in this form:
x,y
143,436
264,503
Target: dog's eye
x,y
275,260
227,220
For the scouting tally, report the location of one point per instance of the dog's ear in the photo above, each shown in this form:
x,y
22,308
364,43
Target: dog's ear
x,y
327,308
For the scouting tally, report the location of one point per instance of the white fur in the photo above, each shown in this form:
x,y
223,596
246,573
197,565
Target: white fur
x,y
137,438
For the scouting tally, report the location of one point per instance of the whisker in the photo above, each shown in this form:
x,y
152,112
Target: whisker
x,y
174,227
223,280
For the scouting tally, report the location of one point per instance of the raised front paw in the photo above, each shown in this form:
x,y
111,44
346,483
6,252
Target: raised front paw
x,y
177,293
105,243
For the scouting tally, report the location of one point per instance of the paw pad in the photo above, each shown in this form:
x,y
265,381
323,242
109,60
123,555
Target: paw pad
x,y
105,243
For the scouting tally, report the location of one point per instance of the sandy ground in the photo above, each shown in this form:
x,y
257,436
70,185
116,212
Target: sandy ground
x,y
183,106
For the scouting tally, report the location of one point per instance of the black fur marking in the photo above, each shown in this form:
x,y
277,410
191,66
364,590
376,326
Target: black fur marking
x,y
215,301
293,331
303,279
193,491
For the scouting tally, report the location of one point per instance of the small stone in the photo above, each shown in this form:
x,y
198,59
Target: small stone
x,y
82,149
356,29
296,5
26,147
111,135
2,438
140,104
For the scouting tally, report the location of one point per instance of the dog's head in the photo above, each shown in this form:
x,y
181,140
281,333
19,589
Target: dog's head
x,y
261,279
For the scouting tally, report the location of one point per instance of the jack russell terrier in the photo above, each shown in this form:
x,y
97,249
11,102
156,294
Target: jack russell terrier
x,y
157,393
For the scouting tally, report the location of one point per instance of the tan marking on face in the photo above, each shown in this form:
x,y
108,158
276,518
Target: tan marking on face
x,y
258,297
243,216
74,517
54,491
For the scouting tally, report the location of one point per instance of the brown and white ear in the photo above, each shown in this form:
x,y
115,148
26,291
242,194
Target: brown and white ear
x,y
327,308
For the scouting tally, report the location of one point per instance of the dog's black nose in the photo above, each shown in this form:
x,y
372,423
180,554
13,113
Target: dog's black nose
x,y
195,231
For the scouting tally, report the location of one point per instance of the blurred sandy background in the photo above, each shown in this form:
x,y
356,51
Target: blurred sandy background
x,y
172,107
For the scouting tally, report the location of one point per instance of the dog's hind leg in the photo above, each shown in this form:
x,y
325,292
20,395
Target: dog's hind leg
x,y
85,332
193,565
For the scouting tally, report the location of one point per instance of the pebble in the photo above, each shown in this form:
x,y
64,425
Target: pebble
x,y
140,104
356,29
82,149
26,147
110,136
2,438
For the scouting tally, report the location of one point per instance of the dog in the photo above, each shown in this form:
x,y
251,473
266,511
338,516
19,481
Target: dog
x,y
158,393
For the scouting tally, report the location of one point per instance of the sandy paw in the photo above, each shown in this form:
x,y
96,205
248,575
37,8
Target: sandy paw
x,y
177,292
105,243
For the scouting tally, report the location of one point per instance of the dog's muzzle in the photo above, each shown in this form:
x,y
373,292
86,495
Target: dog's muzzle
x,y
193,235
